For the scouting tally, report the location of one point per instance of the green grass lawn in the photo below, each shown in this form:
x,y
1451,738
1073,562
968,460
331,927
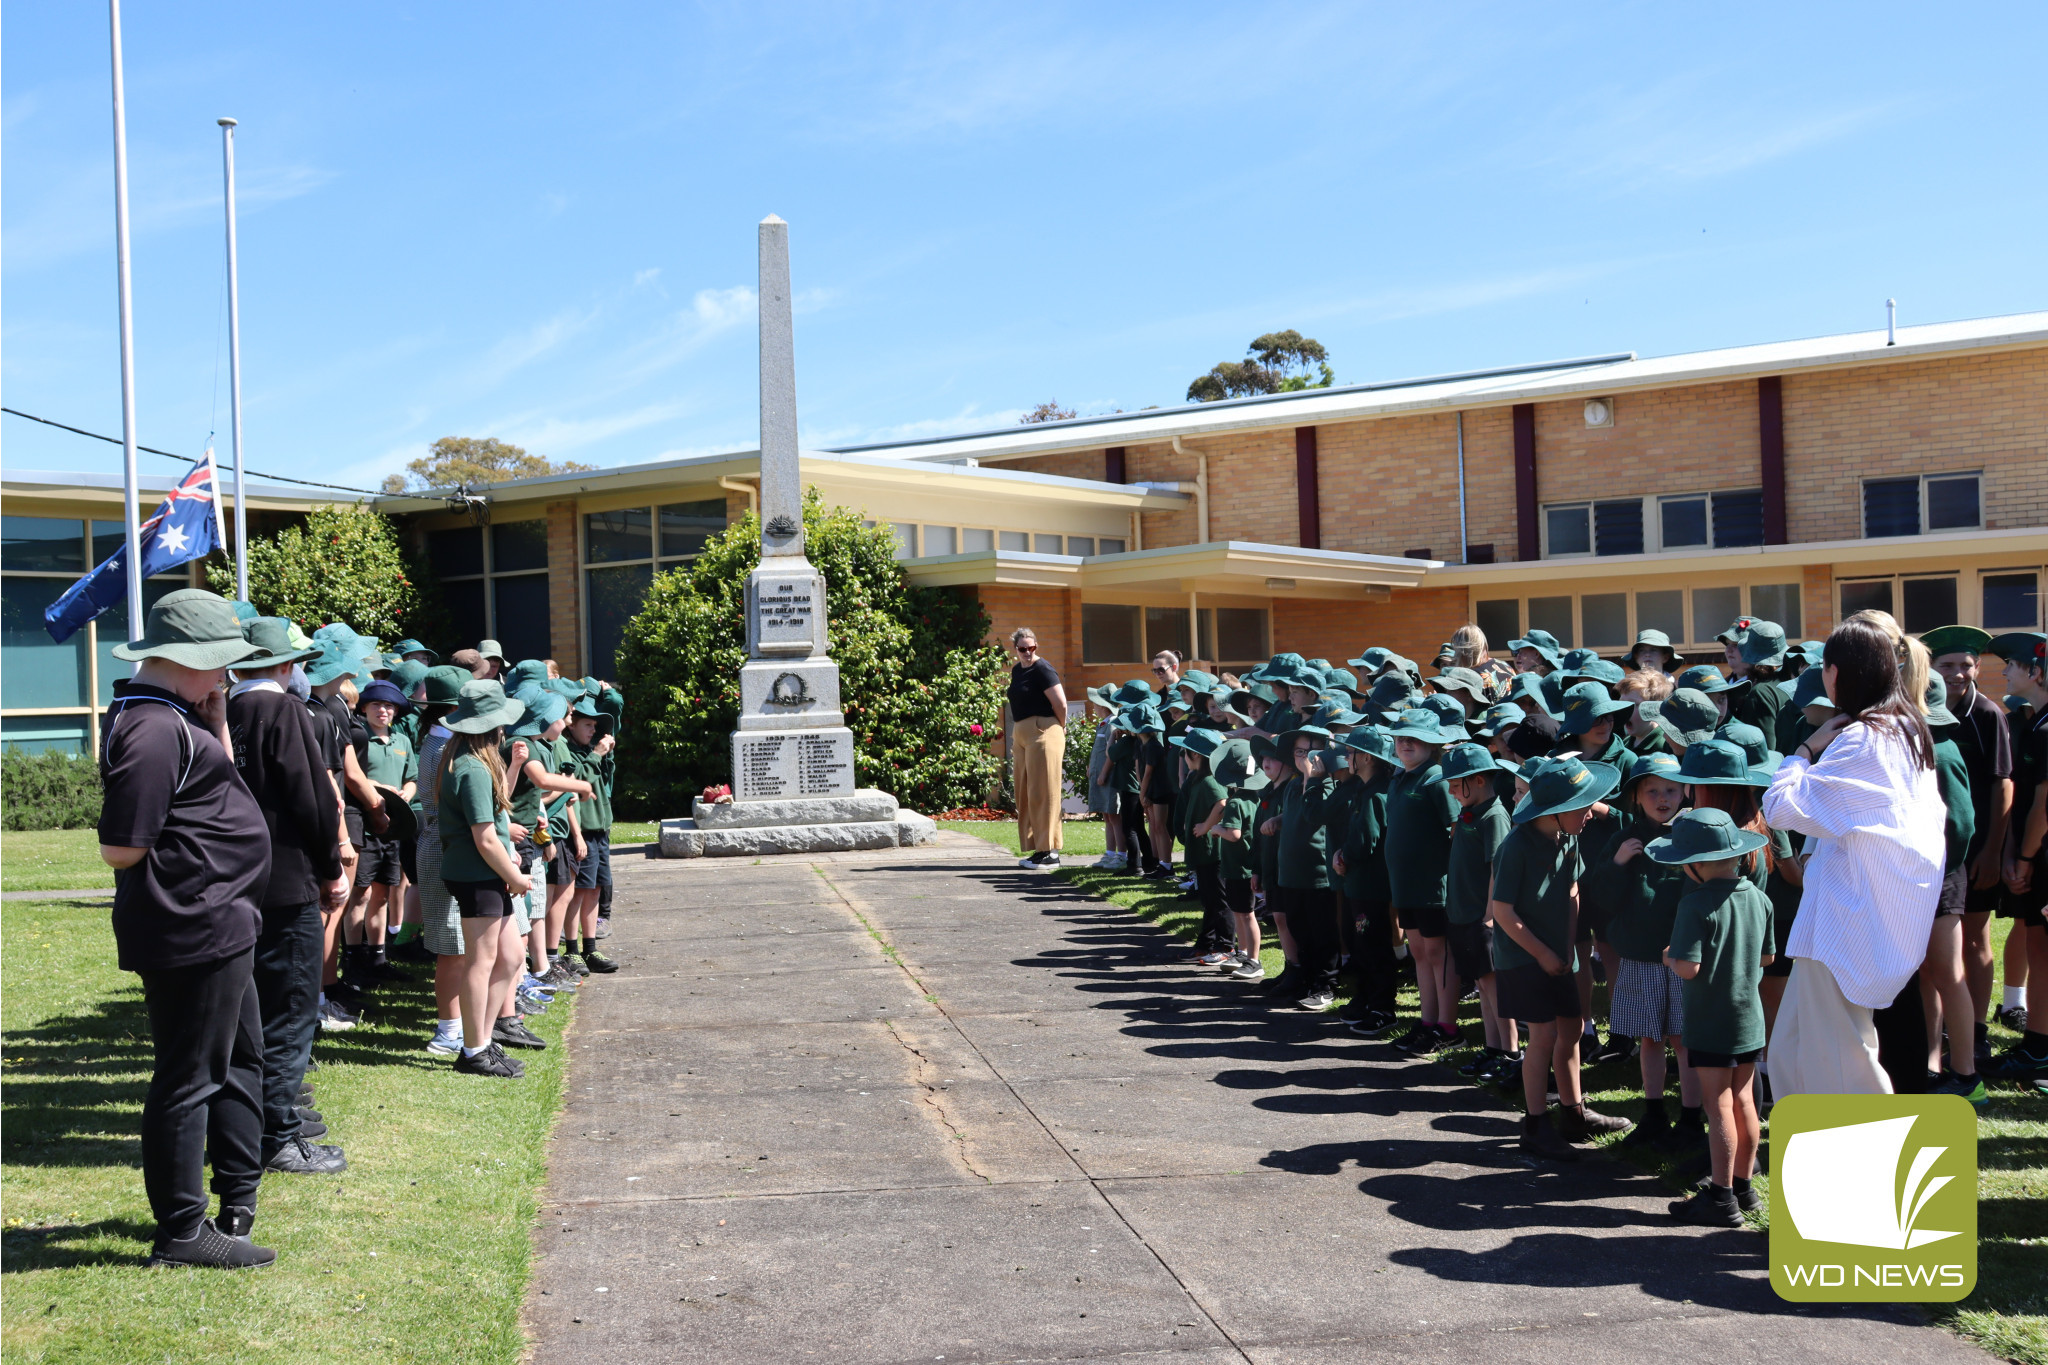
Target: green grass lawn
x,y
635,832
2008,1312
420,1251
53,860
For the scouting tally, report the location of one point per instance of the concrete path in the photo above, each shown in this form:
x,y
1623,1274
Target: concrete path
x,y
921,1106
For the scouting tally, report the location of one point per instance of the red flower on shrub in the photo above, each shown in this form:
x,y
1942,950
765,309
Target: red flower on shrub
x,y
974,729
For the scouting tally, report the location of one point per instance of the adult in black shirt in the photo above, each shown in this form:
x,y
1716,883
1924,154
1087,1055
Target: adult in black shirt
x,y
180,829
1038,746
278,752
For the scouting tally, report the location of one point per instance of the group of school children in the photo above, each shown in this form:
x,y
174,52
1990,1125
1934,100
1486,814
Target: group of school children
x,y
1506,831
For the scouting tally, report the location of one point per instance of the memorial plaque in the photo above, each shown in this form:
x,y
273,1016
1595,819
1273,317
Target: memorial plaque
x,y
777,766
786,608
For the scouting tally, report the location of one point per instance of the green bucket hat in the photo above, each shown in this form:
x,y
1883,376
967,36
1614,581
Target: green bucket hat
x,y
1604,671
272,635
1275,666
1562,785
1955,640
1450,713
1375,741
1529,687
1652,639
1196,678
1576,659
1136,692
1265,692
1811,689
1937,703
1178,705
330,663
1472,760
1341,678
408,674
1391,695
526,671
193,627
411,646
1461,680
1421,723
1584,705
491,649
1374,659
1762,642
482,708
1103,696
1688,715
1703,836
1717,763
1754,746
1707,678
543,709
1233,764
586,707
1203,743
1544,643
1651,765
1495,719
2023,646
445,684
1733,635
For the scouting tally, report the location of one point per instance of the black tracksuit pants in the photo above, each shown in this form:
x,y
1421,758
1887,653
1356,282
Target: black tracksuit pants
x,y
1372,954
1312,919
1219,932
206,1093
1132,812
287,971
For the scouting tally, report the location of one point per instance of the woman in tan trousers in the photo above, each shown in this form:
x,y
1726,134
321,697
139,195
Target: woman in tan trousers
x,y
1038,747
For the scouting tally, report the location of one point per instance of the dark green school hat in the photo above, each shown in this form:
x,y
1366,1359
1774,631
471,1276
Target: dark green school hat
x,y
1651,765
1652,639
408,674
1687,715
1374,659
1603,671
1811,689
482,708
1463,680
411,646
1375,741
1233,765
1472,760
1955,640
331,663
2017,644
1576,659
445,683
1543,642
1136,692
1717,763
272,635
1938,713
586,707
1585,703
1495,719
1562,785
1529,687
543,708
1263,749
1708,679
1762,642
1703,835
1419,722
1751,741
193,627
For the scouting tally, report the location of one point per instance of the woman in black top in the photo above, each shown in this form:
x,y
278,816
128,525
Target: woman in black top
x,y
1038,745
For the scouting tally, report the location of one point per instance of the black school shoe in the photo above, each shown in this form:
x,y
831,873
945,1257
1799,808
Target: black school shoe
x,y
492,1061
1651,1128
1582,1123
1708,1208
211,1249
1615,1049
1371,1024
1504,1070
300,1157
598,962
1746,1197
512,1033
1541,1141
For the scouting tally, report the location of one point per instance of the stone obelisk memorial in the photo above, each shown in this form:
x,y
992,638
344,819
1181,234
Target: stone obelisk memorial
x,y
792,755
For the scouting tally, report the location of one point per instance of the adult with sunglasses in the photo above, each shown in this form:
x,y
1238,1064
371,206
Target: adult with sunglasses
x,y
1038,746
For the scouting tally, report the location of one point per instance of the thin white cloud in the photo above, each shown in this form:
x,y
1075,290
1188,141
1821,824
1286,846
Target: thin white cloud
x,y
556,436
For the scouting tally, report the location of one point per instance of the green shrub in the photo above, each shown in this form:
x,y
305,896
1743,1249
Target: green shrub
x,y
345,564
49,790
916,673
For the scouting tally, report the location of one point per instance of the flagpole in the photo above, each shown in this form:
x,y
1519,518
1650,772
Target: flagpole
x,y
132,504
227,147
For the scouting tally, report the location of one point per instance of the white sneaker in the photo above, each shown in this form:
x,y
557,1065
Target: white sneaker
x,y
1039,862
444,1047
1111,860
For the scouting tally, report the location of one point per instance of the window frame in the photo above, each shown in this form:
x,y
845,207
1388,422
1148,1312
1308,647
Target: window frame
x,y
1653,520
658,562
1924,479
1578,593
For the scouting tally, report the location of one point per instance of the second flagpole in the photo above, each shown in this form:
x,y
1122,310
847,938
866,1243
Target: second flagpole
x,y
227,150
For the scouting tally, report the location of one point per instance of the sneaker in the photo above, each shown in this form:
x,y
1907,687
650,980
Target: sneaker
x,y
2013,1017
573,962
236,1220
311,1128
1582,1123
604,926
1032,862
1372,1024
335,1019
1316,1001
1541,1141
512,1033
1708,1208
489,1062
445,1044
1969,1087
1287,983
1431,1039
1615,1049
307,1112
527,1005
211,1249
1108,862
1158,872
1186,884
2017,1064
598,962
559,977
1505,1071
1414,1037
300,1157
1477,1062
1249,969
1216,959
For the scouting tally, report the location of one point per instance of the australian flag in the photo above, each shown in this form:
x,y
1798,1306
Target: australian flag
x,y
186,527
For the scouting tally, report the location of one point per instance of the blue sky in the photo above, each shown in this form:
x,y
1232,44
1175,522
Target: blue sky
x,y
537,222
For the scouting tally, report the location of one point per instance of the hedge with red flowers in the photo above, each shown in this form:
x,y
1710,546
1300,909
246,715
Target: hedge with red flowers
x,y
917,674
346,563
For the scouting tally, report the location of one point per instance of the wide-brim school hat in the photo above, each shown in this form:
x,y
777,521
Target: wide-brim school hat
x,y
411,646
1423,724
1937,703
1586,703
1576,659
1562,785
1811,689
1460,680
543,709
272,636
1652,639
491,649
1373,660
1136,692
445,683
1472,760
2021,645
1543,642
1196,678
1762,642
1495,719
1103,696
1688,715
404,821
1708,679
408,674
1343,678
1651,765
1203,743
332,662
1232,763
382,689
1604,671
528,671
587,708
1529,687
1449,712
482,708
1273,667
193,627
1374,741
1751,741
1177,705
1717,763
1703,835
1955,640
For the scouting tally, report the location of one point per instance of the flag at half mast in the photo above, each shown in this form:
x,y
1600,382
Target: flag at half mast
x,y
186,527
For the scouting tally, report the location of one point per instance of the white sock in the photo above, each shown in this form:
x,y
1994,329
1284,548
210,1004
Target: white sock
x,y
2015,997
469,1051
447,1028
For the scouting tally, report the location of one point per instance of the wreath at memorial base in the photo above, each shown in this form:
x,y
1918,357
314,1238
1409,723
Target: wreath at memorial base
x,y
920,683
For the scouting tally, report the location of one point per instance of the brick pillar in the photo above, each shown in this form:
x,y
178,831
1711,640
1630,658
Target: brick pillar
x,y
1528,536
1113,465
565,609
1817,600
1770,430
1307,492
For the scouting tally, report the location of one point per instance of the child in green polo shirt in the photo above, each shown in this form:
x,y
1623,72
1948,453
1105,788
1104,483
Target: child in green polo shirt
x,y
1482,824
1233,828
1640,898
1303,868
391,763
590,759
1535,909
1280,775
1198,807
1720,943
1420,815
1361,863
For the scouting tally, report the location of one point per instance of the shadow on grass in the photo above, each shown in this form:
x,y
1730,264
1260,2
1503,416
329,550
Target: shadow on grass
x,y
70,1246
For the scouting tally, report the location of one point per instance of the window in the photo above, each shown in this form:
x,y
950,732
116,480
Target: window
x,y
1683,522
1081,545
1663,611
45,545
906,539
1045,545
1922,503
1928,603
1778,602
457,552
1014,540
1501,621
1109,545
1870,594
1739,518
1714,610
1605,618
41,673
1109,634
519,545
2012,601
1567,531
494,581
1553,614
519,606
941,540
623,549
974,539
1167,628
1617,528
1233,635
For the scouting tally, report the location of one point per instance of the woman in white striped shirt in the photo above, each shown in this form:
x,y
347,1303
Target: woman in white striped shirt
x,y
1863,787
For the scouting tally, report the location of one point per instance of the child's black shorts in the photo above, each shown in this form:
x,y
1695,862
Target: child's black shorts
x,y
482,900
378,864
1533,996
1955,892
1721,1059
1471,949
595,868
409,859
1237,896
1427,920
